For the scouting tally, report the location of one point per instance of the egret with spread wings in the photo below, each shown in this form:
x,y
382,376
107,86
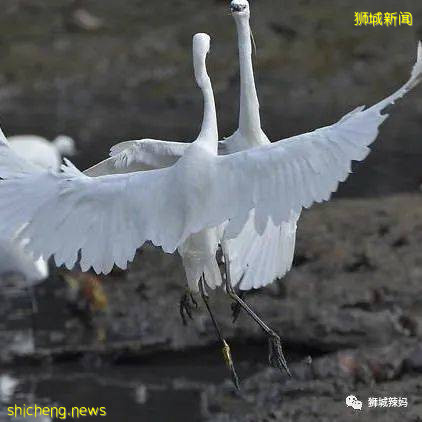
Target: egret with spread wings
x,y
255,256
103,220
59,190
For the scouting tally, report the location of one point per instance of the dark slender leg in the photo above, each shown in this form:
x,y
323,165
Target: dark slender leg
x,y
226,348
187,303
276,357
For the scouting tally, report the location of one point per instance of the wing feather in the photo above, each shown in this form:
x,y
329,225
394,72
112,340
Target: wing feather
x,y
310,165
133,156
304,170
105,219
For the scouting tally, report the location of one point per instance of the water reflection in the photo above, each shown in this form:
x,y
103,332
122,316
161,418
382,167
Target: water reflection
x,y
128,392
7,387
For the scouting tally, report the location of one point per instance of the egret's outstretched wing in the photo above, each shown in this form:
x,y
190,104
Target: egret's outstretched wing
x,y
145,154
283,177
105,218
256,260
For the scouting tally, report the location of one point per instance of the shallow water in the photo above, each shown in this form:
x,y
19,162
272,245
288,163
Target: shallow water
x,y
126,393
165,388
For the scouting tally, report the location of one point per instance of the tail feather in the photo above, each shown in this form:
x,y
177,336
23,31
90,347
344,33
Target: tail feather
x,y
257,260
194,271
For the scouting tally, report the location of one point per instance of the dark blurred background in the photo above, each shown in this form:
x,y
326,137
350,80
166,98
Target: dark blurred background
x,y
105,71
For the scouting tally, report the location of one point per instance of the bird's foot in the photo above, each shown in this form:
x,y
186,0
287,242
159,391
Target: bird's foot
x,y
237,307
186,306
230,364
276,357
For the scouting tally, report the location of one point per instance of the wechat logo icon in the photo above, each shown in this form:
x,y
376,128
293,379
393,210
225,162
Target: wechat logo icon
x,y
352,401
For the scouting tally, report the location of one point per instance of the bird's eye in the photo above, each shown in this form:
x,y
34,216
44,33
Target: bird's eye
x,y
235,7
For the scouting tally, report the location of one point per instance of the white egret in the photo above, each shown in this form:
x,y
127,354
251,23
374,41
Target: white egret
x,y
198,250
45,154
8,386
105,219
254,261
39,151
14,260
255,257
42,152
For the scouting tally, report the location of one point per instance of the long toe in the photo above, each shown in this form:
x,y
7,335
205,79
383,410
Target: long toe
x,y
276,357
182,315
194,302
185,309
188,311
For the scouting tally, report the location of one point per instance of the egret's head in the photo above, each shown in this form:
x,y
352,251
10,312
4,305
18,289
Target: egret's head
x,y
201,47
240,8
65,145
201,44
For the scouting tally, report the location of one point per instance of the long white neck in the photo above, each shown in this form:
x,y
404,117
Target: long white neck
x,y
209,128
209,131
249,118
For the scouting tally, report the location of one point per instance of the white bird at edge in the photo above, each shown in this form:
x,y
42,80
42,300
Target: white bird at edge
x,y
42,152
107,218
39,151
14,260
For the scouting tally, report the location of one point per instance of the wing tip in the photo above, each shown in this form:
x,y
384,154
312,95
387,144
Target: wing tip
x,y
417,68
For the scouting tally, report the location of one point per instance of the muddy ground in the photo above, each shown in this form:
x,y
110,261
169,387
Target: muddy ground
x,y
350,315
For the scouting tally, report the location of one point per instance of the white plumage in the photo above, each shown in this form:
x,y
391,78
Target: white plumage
x,y
13,260
8,386
107,218
141,155
199,250
255,259
46,155
42,152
